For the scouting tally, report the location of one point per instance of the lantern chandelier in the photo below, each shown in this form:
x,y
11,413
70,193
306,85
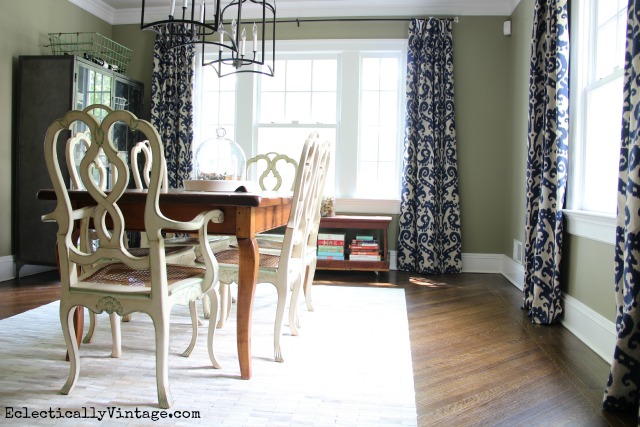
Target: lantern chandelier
x,y
232,36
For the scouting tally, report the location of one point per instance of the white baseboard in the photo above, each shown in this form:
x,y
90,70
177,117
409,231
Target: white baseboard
x,y
481,263
597,332
513,271
8,269
393,260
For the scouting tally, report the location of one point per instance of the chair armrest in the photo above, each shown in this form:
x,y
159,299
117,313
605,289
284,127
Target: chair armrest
x,y
195,224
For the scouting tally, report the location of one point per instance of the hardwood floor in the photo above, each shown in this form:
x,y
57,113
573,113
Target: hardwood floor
x,y
477,359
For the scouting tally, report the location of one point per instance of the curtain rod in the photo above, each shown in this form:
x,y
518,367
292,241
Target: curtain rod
x,y
299,20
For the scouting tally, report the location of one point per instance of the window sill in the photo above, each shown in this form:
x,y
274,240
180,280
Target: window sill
x,y
594,226
368,206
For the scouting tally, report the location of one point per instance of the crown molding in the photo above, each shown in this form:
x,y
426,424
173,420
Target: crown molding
x,y
97,8
326,8
513,6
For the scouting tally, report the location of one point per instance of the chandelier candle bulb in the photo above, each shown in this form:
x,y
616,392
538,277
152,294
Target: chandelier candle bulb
x,y
184,4
172,9
221,31
244,41
255,38
202,12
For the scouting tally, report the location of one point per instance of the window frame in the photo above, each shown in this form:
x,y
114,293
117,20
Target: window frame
x,y
346,153
594,225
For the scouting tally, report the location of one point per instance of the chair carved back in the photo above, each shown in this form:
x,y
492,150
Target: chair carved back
x,y
104,210
76,145
301,217
142,179
269,169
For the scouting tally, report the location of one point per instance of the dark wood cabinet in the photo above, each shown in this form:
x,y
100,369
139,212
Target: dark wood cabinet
x,y
48,87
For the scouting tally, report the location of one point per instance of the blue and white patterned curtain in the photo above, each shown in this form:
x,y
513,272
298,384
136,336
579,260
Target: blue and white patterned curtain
x,y
624,380
429,240
547,159
172,106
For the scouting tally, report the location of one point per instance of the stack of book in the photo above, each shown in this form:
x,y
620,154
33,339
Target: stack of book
x,y
331,246
364,248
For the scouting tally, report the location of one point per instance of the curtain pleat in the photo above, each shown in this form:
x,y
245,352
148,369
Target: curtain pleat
x,y
547,159
624,379
172,105
429,240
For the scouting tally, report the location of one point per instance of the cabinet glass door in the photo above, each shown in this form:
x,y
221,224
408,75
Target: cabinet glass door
x,y
93,87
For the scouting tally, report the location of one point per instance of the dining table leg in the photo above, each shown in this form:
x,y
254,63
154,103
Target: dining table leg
x,y
247,278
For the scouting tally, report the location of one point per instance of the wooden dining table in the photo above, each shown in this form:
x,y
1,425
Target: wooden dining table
x,y
245,215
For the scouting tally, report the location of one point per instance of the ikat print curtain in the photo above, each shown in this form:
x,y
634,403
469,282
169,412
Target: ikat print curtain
x,y
172,106
429,240
547,159
624,379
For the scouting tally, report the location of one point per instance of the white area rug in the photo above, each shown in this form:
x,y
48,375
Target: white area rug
x,y
350,366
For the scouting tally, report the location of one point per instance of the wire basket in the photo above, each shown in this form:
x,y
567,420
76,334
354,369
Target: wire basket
x,y
92,46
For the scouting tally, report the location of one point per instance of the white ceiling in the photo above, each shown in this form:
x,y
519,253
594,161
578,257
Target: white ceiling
x,y
118,12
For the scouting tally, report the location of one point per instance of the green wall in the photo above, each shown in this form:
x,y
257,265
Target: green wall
x,y
141,66
516,147
24,26
483,110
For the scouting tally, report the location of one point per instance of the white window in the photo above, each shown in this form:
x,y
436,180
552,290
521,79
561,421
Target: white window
x,y
379,127
215,105
351,92
300,98
597,65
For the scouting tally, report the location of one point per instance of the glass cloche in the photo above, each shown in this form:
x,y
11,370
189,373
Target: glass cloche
x,y
217,160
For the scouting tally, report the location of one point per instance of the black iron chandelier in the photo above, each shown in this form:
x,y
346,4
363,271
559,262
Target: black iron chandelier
x,y
232,36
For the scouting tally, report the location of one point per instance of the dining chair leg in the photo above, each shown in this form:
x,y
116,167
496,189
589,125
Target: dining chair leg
x,y
277,327
308,285
205,307
214,307
66,320
194,329
294,323
161,323
225,307
116,337
88,338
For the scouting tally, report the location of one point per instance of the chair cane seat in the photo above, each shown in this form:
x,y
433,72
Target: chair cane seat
x,y
232,256
121,275
269,244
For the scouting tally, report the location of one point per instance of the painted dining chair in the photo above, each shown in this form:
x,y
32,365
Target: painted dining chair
x,y
287,269
270,170
272,243
109,277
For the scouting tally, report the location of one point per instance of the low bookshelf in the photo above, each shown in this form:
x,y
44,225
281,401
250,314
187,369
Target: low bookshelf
x,y
351,226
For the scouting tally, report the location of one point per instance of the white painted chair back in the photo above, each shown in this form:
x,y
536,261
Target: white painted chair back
x,y
271,170
142,179
76,146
